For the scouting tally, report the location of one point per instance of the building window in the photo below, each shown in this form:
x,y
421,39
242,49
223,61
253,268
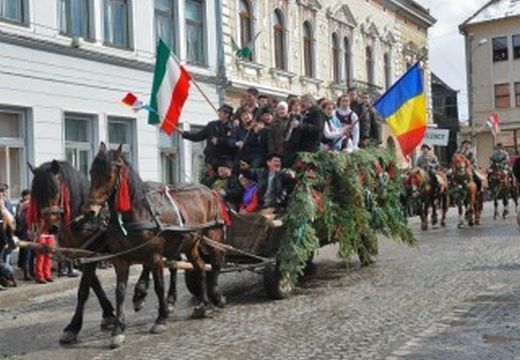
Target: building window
x,y
335,58
13,155
116,24
170,160
346,60
246,25
517,94
75,18
165,22
500,49
195,31
78,141
308,51
516,46
13,10
369,58
502,97
279,40
121,131
388,71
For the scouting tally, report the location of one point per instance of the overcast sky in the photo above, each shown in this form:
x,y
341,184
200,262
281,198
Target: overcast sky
x,y
447,45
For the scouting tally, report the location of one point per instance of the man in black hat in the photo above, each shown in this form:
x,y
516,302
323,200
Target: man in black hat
x,y
428,162
216,134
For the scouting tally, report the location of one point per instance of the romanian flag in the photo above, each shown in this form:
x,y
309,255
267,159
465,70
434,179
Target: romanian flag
x,y
170,89
403,107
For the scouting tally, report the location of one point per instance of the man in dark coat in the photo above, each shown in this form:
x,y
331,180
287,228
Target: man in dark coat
x,y
273,183
310,127
216,134
355,104
370,128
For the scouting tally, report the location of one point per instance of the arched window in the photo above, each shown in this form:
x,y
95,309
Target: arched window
x,y
246,23
388,71
279,40
346,60
335,58
370,65
308,53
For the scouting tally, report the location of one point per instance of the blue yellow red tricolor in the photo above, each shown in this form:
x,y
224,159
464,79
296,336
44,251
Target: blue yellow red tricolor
x,y
403,107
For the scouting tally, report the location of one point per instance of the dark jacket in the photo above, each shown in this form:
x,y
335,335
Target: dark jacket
x,y
275,135
357,107
255,145
311,130
214,154
369,127
233,190
280,188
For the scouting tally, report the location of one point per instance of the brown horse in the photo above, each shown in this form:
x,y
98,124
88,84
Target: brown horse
x,y
423,194
502,186
135,234
465,191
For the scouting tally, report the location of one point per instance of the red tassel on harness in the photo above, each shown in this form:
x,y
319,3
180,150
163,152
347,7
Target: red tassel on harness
x,y
33,215
123,203
223,210
65,198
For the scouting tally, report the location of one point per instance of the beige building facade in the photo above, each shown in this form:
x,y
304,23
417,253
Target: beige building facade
x,y
322,47
493,68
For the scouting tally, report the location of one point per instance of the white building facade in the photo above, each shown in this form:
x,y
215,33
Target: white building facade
x,y
65,65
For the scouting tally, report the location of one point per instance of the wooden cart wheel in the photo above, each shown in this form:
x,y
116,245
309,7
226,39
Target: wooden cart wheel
x,y
192,280
277,285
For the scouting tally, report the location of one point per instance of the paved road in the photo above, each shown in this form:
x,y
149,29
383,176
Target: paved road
x,y
456,296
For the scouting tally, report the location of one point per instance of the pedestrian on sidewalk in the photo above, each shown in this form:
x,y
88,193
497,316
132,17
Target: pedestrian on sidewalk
x,y
43,266
26,255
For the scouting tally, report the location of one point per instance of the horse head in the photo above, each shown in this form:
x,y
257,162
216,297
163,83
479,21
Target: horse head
x,y
460,165
415,181
113,183
57,191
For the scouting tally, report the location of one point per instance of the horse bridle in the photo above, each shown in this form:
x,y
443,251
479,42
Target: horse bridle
x,y
102,202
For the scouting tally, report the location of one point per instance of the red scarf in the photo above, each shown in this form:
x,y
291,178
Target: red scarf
x,y
65,200
123,203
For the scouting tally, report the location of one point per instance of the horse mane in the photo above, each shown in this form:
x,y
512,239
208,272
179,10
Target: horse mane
x,y
138,188
45,188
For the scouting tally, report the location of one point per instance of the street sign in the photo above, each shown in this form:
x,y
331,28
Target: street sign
x,y
438,137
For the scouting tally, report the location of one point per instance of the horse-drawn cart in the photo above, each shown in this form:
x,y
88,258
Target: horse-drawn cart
x,y
251,244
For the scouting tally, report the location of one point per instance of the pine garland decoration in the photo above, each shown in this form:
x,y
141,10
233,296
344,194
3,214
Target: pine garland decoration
x,y
359,197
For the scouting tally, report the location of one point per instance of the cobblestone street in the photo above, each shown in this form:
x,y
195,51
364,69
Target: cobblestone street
x,y
456,296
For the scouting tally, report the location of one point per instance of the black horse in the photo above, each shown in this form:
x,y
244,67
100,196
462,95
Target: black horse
x,y
58,192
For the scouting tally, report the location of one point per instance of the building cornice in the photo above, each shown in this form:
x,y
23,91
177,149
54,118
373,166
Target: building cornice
x,y
29,41
411,11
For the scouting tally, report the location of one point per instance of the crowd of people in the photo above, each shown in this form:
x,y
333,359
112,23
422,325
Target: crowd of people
x,y
250,151
37,266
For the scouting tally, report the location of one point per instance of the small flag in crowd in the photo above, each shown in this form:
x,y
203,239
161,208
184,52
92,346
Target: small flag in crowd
x,y
171,84
494,124
403,106
136,104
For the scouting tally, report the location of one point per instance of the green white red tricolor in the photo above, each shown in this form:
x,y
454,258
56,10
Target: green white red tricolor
x,y
170,89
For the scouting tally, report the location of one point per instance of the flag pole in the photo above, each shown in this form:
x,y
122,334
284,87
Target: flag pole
x,y
197,85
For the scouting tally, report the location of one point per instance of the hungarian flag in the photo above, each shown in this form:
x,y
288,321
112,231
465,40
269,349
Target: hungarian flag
x,y
171,84
494,124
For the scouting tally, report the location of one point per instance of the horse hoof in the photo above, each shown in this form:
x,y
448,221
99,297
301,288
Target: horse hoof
x,y
138,305
471,223
158,328
199,312
68,337
171,308
424,227
117,341
108,323
443,223
460,226
220,301
477,222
